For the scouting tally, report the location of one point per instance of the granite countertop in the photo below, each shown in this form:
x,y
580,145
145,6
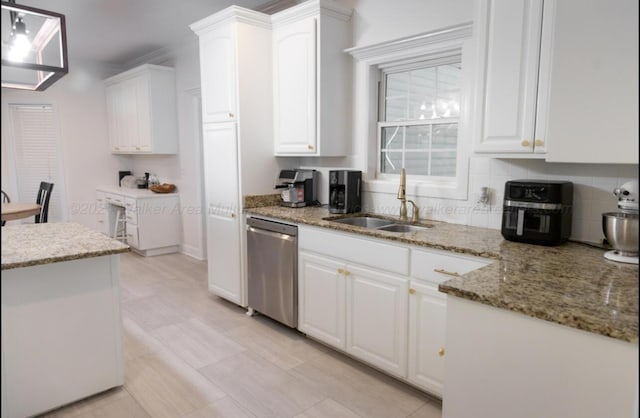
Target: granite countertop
x,y
571,284
35,244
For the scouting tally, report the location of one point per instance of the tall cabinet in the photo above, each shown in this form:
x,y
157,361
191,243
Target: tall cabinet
x,y
235,70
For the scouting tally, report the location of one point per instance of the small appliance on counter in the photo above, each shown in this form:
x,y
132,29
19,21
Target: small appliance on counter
x,y
345,191
121,175
301,187
621,228
537,211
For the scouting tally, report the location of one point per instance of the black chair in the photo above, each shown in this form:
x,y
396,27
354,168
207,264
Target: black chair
x,y
5,199
44,194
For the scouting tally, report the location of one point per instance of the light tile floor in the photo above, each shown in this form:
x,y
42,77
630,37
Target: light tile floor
x,y
191,354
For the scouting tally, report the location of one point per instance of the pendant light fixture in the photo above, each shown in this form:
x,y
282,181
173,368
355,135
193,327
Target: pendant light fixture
x,y
34,47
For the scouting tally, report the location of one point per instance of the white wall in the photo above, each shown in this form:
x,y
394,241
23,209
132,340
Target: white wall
x,y
376,21
184,169
78,100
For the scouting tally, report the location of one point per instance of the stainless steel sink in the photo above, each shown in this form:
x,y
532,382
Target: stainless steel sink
x,y
364,221
404,228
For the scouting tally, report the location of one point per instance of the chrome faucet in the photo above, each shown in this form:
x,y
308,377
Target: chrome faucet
x,y
402,196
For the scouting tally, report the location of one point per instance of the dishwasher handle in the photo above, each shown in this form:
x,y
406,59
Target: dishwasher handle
x,y
272,234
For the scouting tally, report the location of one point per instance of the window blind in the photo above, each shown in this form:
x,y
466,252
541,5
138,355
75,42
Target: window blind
x,y
37,157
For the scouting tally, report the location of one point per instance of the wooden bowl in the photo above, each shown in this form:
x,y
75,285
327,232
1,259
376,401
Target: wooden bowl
x,y
162,188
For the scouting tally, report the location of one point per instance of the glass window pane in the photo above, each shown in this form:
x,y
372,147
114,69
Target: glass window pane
x,y
396,109
422,94
390,162
417,163
417,137
443,163
391,137
445,136
397,89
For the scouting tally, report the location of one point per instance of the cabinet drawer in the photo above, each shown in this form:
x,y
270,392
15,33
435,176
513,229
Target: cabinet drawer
x,y
356,250
132,235
114,199
437,267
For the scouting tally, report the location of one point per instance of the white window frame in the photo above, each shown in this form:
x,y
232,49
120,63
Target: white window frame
x,y
370,62
402,68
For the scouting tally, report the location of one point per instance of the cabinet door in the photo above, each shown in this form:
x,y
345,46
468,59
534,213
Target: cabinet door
x,y
377,318
427,322
509,34
592,108
141,96
295,118
223,222
218,73
223,254
321,299
220,150
118,124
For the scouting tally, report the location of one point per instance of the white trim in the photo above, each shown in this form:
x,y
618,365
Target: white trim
x,y
420,42
231,14
311,8
193,252
455,40
135,72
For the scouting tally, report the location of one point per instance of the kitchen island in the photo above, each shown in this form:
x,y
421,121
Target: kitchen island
x,y
540,331
61,321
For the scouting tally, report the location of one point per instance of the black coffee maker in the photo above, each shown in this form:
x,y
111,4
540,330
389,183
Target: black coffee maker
x,y
345,191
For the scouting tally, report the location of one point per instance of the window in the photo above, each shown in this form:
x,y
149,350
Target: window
x,y
418,127
414,105
36,155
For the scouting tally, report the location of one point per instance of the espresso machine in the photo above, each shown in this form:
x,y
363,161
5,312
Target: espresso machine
x,y
345,191
300,187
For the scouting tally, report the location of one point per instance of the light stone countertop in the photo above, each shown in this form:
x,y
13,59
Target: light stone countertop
x,y
35,244
571,284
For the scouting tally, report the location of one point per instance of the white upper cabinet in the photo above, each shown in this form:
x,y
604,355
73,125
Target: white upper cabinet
x,y
558,80
312,79
295,80
141,111
593,99
509,39
217,61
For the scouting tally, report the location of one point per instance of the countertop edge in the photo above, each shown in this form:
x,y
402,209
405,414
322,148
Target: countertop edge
x,y
58,259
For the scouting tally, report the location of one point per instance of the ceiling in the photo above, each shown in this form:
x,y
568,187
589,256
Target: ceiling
x,y
119,31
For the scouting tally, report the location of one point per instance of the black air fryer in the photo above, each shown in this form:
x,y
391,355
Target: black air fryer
x,y
537,211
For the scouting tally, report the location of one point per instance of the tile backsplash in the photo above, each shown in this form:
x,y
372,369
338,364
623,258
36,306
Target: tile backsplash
x,y
593,193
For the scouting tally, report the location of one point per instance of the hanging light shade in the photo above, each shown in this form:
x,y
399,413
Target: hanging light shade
x,y
34,47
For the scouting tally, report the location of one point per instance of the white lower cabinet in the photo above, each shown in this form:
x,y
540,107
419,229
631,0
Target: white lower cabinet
x,y
377,318
321,299
355,309
378,302
427,323
223,253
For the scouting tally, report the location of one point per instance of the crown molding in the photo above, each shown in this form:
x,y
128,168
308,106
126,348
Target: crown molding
x,y
232,14
311,8
452,33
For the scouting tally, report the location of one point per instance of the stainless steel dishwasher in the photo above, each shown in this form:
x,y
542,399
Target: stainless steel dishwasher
x,y
272,276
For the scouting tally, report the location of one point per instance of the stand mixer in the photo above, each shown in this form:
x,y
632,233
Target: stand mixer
x,y
621,228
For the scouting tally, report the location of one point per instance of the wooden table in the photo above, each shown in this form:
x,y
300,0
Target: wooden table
x,y
18,210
